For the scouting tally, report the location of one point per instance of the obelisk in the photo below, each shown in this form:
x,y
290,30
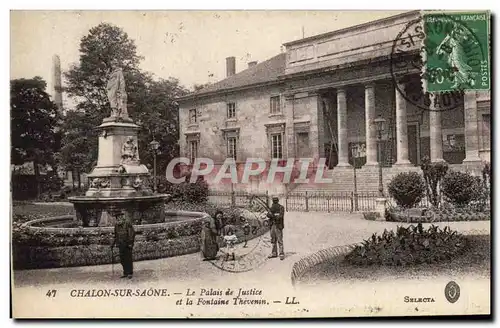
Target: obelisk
x,y
56,75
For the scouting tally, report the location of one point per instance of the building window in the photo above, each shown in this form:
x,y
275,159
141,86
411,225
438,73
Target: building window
x,y
231,110
486,131
193,150
275,105
277,145
231,147
193,118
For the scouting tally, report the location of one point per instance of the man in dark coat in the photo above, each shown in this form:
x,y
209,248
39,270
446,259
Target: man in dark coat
x,y
277,222
124,239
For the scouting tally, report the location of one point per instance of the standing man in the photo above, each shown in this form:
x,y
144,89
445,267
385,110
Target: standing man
x,y
124,239
276,216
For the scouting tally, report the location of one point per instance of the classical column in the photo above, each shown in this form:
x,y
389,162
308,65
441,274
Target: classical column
x,y
401,128
436,134
343,143
471,128
370,128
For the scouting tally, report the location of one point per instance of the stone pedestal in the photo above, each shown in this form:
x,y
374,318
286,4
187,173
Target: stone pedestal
x,y
114,175
380,208
119,184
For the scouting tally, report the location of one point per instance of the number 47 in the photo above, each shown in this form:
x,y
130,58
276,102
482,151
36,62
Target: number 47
x,y
51,293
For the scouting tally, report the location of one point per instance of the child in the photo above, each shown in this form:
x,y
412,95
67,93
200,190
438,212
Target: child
x,y
230,238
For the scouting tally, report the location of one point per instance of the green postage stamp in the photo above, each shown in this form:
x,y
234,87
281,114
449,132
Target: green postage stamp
x,y
456,48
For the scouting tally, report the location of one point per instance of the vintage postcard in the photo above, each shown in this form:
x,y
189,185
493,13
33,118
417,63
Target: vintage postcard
x,y
250,164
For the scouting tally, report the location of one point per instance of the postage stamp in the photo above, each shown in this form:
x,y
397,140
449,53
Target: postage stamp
x,y
178,164
457,51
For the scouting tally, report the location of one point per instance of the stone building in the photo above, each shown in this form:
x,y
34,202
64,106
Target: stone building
x,y
319,99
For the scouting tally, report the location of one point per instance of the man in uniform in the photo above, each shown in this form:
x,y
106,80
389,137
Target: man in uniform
x,y
276,216
124,239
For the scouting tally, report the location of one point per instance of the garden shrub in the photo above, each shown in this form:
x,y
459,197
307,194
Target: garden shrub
x,y
461,188
196,192
407,189
408,246
371,216
433,175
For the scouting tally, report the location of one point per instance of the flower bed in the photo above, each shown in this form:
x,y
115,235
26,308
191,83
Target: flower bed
x,y
424,215
408,246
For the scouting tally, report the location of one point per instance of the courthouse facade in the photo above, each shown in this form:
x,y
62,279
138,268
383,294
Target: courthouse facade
x,y
319,99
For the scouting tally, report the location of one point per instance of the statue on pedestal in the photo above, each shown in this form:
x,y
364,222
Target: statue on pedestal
x,y
116,92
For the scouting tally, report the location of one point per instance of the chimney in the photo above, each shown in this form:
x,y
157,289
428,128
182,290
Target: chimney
x,y
230,66
56,71
252,64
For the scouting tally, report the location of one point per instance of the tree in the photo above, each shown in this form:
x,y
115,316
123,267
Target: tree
x,y
33,119
79,143
198,87
87,80
150,103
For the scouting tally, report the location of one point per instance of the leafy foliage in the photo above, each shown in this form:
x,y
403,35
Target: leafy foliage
x,y
408,246
461,188
150,102
433,175
407,189
186,191
33,119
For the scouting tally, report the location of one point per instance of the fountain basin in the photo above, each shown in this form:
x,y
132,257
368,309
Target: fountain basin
x,y
60,242
101,211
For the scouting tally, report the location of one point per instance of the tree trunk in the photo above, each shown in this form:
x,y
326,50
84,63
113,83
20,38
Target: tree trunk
x,y
79,179
36,170
73,178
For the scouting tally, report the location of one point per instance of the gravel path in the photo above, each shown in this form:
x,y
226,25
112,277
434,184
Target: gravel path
x,y
304,233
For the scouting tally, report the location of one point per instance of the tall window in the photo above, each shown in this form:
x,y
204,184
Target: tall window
x,y
486,131
231,147
275,105
231,110
193,150
276,145
193,116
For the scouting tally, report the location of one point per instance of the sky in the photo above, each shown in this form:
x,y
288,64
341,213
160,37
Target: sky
x,y
191,46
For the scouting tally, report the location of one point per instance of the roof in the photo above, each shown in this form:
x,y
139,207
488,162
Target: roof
x,y
262,73
350,28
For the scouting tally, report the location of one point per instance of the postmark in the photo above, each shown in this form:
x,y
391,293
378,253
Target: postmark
x,y
452,292
422,63
251,251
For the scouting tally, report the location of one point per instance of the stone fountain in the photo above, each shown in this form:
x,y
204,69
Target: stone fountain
x,y
119,183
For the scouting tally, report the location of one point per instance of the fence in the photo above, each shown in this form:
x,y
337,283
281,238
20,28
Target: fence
x,y
235,198
303,201
320,201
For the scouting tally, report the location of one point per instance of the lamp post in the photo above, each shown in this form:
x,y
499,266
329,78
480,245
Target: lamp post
x,y
380,126
154,145
355,155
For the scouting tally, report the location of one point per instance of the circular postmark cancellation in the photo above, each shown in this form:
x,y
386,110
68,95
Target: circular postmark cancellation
x,y
452,292
437,57
252,249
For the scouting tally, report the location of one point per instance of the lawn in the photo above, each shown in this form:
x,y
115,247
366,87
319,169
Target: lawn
x,y
26,211
476,261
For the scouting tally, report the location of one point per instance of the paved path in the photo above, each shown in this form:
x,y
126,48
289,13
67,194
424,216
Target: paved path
x,y
304,233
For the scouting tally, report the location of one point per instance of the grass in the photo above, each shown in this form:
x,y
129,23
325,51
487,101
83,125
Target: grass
x,y
476,260
25,211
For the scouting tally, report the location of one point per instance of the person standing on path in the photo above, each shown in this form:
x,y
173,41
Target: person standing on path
x,y
277,222
124,239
